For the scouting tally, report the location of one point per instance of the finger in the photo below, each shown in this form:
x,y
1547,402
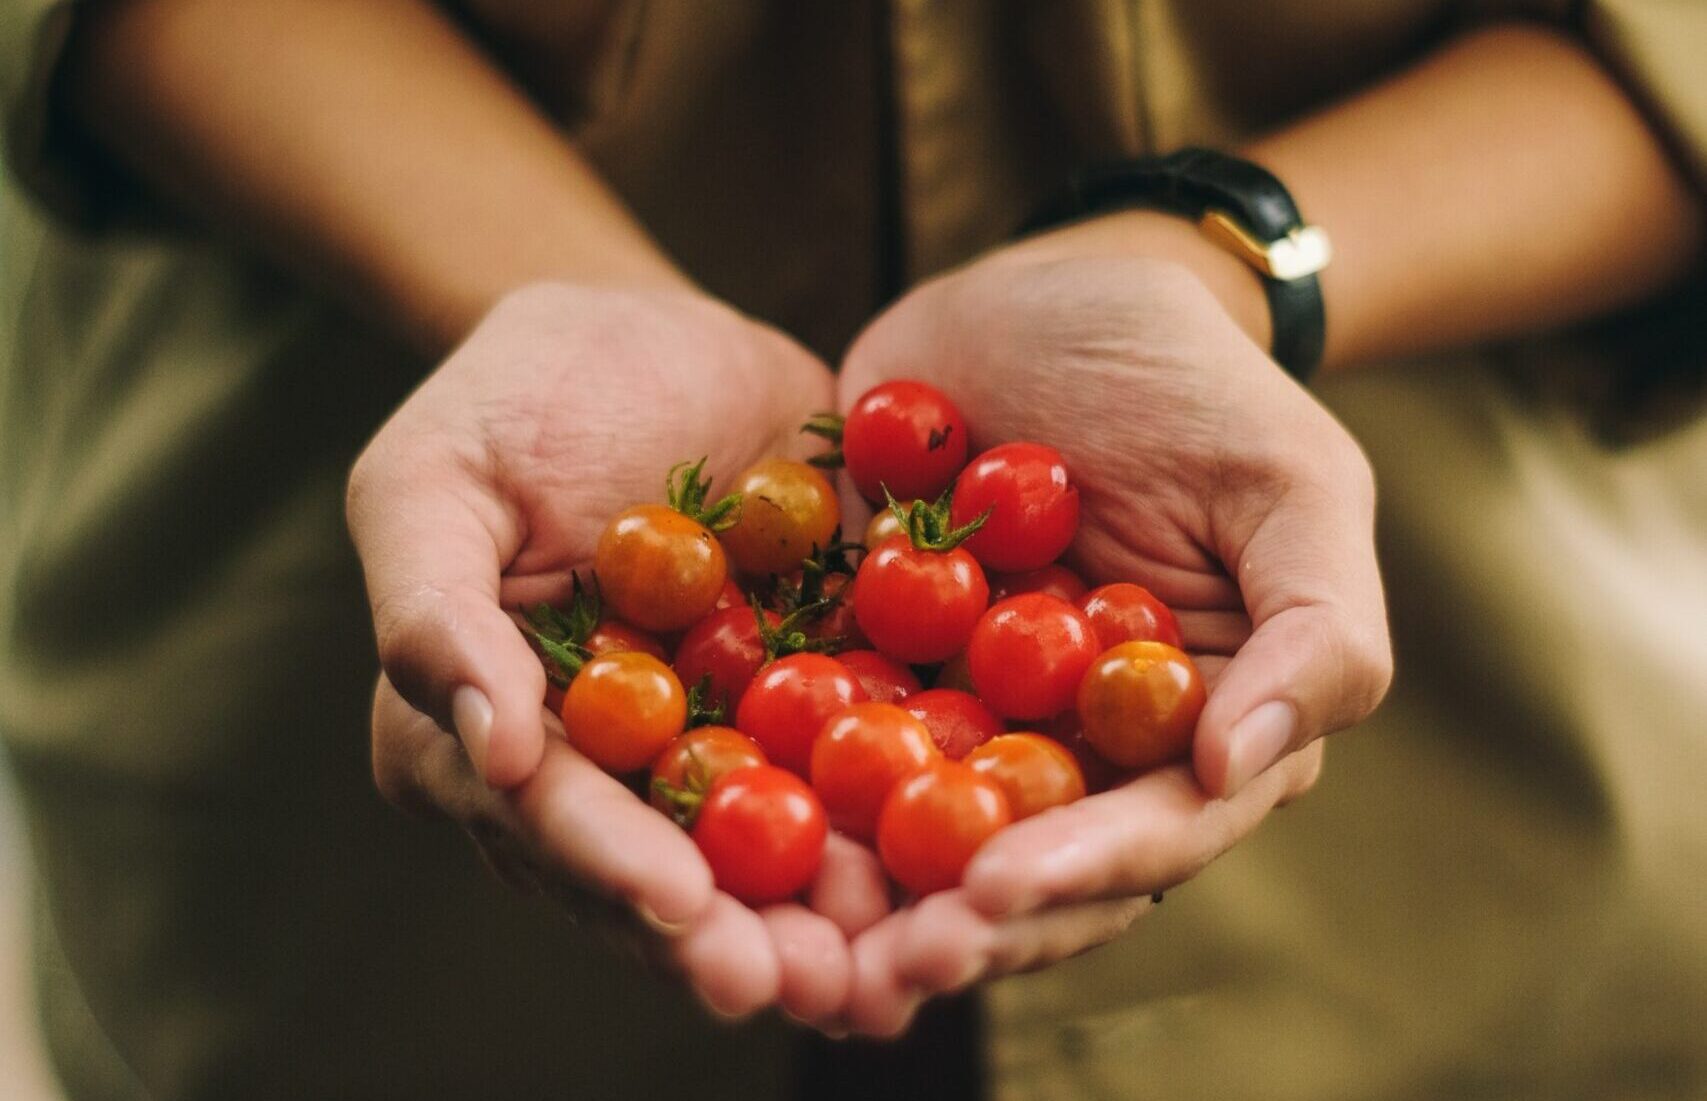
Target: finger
x,y
816,967
728,958
432,541
880,1002
1148,835
851,888
1210,632
947,944
1319,658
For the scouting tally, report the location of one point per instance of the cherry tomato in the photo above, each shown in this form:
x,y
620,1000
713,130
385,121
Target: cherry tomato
x,y
1035,509
1139,703
690,764
1129,613
934,821
658,569
1034,772
883,679
906,437
1028,654
884,524
1054,579
725,645
622,709
614,637
1098,773
919,606
762,831
787,509
958,722
839,621
859,757
731,597
789,702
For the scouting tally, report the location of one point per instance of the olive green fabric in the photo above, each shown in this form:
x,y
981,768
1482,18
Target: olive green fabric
x,y
1497,890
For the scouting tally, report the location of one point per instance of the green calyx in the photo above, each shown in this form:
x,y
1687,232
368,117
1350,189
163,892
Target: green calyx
x,y
684,802
702,709
688,488
827,427
927,524
561,636
814,569
787,637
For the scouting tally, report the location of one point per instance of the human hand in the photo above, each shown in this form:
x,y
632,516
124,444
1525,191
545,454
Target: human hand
x,y
1205,474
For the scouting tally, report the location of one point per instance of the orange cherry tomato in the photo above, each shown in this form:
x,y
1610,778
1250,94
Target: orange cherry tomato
x,y
1139,703
622,709
933,822
613,637
660,570
690,764
883,525
787,509
1034,772
859,757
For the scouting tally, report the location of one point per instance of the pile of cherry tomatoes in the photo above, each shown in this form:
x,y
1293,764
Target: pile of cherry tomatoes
x,y
772,678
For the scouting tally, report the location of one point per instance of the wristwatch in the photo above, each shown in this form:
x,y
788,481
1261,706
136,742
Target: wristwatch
x,y
1239,206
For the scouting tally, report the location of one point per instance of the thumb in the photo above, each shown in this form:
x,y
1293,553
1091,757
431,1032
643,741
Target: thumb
x,y
1319,657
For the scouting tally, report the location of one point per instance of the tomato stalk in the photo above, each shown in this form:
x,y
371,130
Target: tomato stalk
x,y
787,638
827,427
687,489
684,802
820,564
702,712
927,524
561,636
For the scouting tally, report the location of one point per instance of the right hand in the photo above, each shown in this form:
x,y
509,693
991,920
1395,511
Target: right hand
x,y
484,489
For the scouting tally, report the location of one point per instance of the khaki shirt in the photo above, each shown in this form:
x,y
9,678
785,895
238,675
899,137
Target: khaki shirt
x,y
1499,889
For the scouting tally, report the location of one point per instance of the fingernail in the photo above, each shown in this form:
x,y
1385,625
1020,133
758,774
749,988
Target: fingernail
x,y
649,917
471,714
1257,741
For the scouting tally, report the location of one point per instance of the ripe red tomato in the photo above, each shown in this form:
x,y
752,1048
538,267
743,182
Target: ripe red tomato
x,y
787,509
884,679
905,436
1123,612
958,722
731,597
1034,772
859,757
614,637
1139,704
658,569
690,764
919,606
1035,509
622,709
789,702
933,822
726,646
762,831
1054,579
839,621
1028,654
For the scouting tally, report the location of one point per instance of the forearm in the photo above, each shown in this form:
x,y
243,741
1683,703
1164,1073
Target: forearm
x,y
368,145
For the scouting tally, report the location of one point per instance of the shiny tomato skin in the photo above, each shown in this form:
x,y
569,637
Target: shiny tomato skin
x,y
933,823
1034,772
732,596
1034,506
919,606
1139,703
613,636
622,709
883,525
884,679
658,569
1124,612
787,509
1053,579
789,702
958,721
1028,654
725,644
762,831
859,757
697,759
904,436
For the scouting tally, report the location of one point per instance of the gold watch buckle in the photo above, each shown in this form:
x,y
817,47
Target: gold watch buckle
x,y
1304,251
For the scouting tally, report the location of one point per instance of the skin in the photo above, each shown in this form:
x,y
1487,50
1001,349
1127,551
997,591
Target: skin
x,y
1523,223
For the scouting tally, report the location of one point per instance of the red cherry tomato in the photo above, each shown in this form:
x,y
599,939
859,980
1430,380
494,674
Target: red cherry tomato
x,y
884,679
905,436
789,702
762,831
919,606
1034,772
622,709
1129,613
933,822
726,646
659,569
1054,579
1035,509
731,597
614,637
787,509
1139,703
859,757
1028,654
693,762
958,722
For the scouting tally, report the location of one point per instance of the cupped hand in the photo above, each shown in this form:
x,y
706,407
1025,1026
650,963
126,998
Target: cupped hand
x,y
486,487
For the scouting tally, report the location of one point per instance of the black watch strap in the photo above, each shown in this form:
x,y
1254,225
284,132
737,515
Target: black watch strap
x,y
1203,183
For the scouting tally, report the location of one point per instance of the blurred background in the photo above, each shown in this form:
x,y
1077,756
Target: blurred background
x,y
24,1074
